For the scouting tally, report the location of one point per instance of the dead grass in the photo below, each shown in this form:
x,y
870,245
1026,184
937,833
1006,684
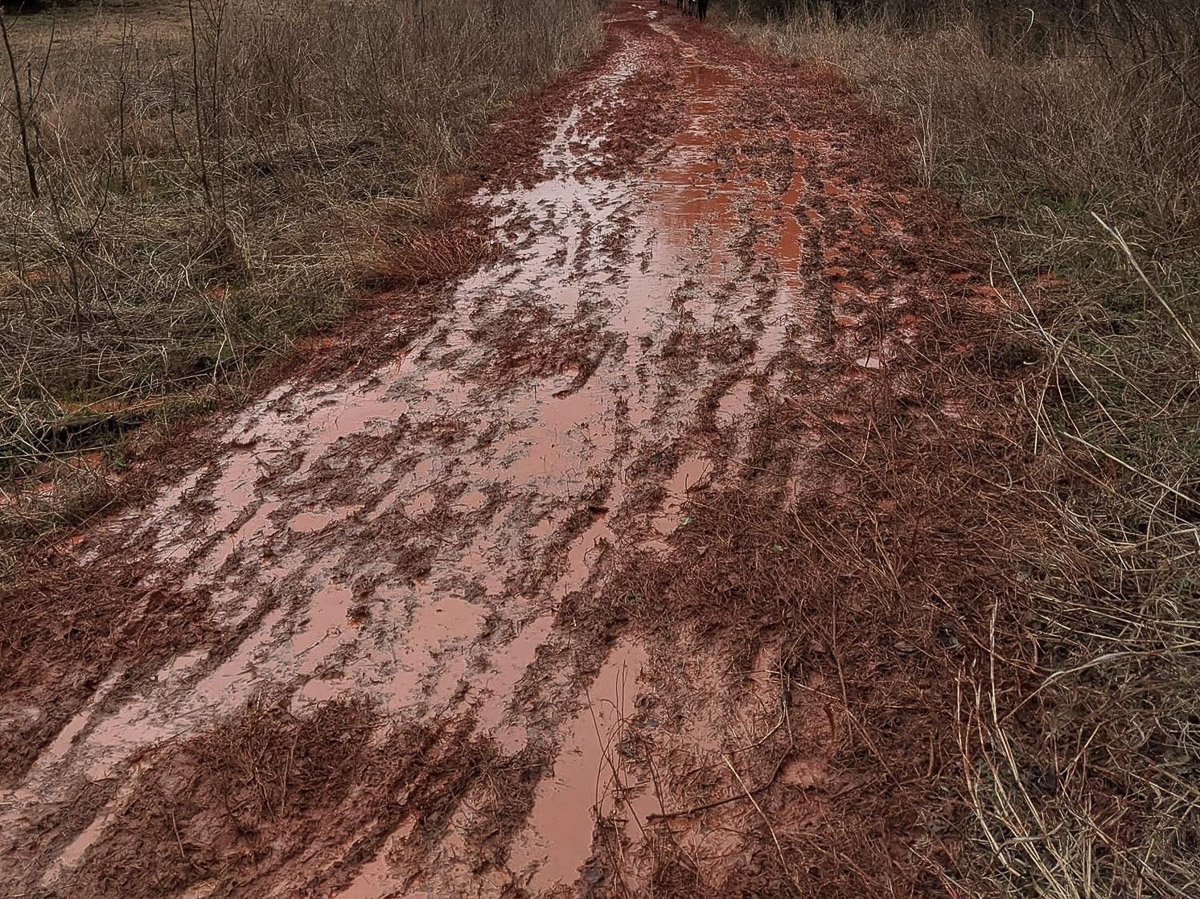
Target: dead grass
x,y
216,179
1082,772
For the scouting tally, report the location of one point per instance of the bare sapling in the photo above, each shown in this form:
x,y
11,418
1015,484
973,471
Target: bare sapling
x,y
20,111
197,105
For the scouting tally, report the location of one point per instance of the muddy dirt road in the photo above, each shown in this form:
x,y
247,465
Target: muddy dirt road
x,y
634,550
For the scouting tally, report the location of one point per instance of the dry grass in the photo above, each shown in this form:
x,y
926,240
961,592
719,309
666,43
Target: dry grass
x,y
214,177
1085,782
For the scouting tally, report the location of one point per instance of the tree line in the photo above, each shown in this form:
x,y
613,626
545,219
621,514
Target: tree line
x,y
1153,40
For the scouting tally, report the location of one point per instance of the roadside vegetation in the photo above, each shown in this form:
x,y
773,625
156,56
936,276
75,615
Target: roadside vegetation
x,y
1072,129
190,187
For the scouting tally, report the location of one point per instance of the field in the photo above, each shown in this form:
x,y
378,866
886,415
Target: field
x,y
550,448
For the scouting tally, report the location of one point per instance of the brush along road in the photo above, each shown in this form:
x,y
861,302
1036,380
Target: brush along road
x,y
636,542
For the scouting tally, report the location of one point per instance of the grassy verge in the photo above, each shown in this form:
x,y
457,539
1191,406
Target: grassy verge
x,y
1085,161
205,182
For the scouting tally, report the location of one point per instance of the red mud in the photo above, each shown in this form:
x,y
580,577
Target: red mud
x,y
649,506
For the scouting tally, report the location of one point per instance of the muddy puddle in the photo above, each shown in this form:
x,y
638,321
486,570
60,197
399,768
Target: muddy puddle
x,y
587,782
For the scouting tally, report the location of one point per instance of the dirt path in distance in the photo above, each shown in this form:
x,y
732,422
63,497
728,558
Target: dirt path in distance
x,y
643,558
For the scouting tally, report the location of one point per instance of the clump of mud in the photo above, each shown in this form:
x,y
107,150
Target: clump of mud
x,y
75,626
270,800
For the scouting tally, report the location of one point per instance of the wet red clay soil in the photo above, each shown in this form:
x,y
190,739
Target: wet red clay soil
x,y
638,560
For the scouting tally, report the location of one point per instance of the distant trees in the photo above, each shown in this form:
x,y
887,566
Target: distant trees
x,y
1165,34
1049,14
14,7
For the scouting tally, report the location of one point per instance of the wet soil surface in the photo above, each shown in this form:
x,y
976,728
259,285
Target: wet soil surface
x,y
636,553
